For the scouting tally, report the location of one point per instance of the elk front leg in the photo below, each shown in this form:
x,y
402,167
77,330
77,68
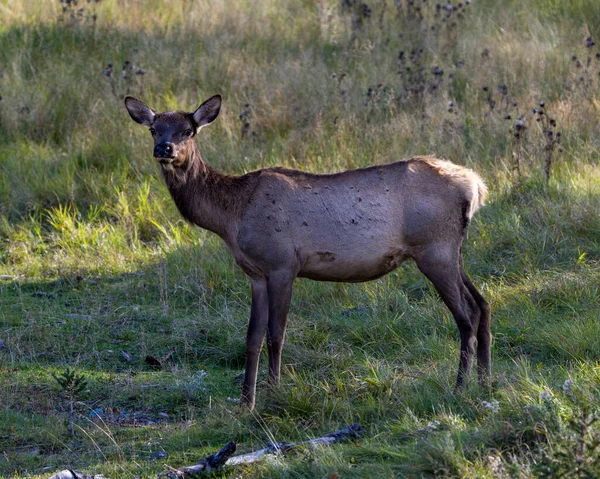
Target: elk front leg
x,y
257,327
280,294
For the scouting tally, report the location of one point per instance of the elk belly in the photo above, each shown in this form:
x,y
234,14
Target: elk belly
x,y
349,266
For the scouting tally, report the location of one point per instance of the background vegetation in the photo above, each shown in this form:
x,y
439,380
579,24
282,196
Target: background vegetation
x,y
122,328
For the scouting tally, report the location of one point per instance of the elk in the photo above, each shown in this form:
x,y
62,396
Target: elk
x,y
353,226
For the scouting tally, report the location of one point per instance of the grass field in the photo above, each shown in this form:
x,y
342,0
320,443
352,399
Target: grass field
x,y
99,271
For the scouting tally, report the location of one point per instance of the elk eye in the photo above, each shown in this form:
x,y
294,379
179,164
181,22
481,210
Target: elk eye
x,y
187,132
152,131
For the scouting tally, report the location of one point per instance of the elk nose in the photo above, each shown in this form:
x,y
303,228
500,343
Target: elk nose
x,y
163,150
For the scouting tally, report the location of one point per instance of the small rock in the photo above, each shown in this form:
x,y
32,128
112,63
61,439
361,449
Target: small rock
x,y
6,277
125,356
163,415
159,455
2,344
98,412
33,452
66,474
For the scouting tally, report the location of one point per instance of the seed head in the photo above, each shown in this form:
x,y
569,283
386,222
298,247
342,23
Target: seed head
x,y
545,395
437,71
589,43
493,406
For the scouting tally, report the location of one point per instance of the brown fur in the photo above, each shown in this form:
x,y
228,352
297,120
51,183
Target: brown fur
x,y
353,226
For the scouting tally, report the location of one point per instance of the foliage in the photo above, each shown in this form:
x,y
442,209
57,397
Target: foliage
x,y
71,382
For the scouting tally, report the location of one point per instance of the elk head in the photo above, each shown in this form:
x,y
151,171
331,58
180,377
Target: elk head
x,y
173,131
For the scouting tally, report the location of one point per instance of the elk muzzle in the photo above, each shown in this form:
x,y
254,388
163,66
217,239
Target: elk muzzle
x,y
164,152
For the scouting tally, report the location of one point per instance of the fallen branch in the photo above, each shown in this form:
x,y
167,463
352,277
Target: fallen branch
x,y
207,464
222,458
225,457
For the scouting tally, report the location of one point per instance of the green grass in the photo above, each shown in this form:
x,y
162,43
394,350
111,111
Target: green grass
x,y
96,260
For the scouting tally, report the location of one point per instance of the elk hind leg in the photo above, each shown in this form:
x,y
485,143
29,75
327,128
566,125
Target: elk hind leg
x,y
441,265
484,335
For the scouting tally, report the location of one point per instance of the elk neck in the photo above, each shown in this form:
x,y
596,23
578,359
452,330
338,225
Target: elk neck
x,y
205,197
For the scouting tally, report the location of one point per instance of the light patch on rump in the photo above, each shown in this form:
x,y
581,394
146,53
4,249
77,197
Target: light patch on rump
x,y
466,179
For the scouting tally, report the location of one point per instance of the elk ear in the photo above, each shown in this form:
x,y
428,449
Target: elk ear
x,y
139,112
207,112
